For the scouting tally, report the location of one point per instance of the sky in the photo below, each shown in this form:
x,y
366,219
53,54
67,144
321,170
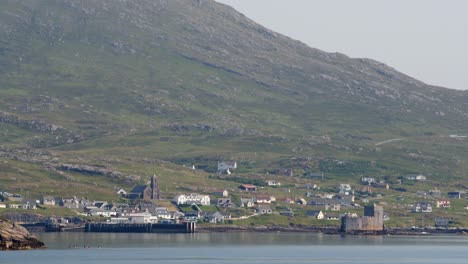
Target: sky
x,y
425,39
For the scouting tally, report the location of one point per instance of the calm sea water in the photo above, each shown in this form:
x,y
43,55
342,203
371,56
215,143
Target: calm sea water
x,y
249,248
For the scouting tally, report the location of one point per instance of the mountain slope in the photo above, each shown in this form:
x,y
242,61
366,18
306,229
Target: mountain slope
x,y
194,81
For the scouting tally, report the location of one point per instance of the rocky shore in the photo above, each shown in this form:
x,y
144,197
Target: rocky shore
x,y
16,237
331,230
265,228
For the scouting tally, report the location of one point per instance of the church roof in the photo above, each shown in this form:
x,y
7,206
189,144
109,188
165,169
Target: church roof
x,y
139,189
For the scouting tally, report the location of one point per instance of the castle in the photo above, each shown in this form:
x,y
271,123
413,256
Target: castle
x,y
372,221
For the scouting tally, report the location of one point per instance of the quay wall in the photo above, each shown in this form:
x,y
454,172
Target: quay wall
x,y
140,228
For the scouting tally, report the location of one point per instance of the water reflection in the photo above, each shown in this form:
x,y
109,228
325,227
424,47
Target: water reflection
x,y
238,248
131,240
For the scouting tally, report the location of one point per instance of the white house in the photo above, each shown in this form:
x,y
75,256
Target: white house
x,y
14,206
245,202
422,207
193,198
345,189
137,218
163,213
226,166
367,180
2,205
121,192
263,200
142,218
418,177
273,183
101,212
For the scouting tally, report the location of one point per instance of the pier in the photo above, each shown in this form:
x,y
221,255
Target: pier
x,y
189,227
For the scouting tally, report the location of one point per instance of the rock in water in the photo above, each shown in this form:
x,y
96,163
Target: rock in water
x,y
16,237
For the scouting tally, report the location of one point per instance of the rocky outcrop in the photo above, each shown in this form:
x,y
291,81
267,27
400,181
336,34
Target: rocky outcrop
x,y
16,237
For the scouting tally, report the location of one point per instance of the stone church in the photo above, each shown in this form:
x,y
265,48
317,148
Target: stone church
x,y
146,192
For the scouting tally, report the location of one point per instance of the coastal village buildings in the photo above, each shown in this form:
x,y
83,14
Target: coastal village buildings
x,y
435,193
135,218
273,183
48,200
332,207
212,205
443,203
192,198
29,204
221,193
247,202
345,189
317,214
422,207
263,199
122,192
455,194
264,209
416,177
224,202
248,187
367,180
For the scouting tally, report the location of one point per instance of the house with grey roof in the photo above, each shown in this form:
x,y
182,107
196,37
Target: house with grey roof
x,y
48,200
247,202
224,202
317,214
422,207
29,204
264,209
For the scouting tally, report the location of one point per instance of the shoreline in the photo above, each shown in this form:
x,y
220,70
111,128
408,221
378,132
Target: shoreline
x,y
328,230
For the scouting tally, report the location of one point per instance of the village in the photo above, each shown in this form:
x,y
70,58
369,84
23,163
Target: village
x,y
145,204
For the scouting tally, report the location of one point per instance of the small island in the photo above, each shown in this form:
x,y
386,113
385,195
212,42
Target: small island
x,y
16,237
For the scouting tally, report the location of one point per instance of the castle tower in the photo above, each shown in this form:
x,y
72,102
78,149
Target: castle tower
x,y
155,195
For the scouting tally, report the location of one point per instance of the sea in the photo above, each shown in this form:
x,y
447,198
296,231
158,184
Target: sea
x,y
227,248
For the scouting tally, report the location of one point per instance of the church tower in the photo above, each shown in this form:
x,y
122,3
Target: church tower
x,y
155,195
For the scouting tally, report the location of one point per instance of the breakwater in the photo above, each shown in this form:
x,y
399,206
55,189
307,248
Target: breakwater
x,y
189,227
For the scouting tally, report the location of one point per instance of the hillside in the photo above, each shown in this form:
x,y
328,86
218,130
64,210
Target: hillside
x,y
100,94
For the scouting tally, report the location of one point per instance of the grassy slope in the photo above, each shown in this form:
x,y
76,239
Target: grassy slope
x,y
124,104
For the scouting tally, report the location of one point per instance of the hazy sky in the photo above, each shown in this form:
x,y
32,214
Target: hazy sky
x,y
426,39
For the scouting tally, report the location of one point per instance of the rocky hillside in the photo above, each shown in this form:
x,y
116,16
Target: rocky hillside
x,y
16,237
105,88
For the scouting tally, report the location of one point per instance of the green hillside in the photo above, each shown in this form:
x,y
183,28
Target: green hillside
x,y
144,87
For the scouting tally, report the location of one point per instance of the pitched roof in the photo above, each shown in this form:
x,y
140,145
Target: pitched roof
x,y
264,207
139,189
30,201
313,213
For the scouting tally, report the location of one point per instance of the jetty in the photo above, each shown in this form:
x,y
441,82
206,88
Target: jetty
x,y
188,227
